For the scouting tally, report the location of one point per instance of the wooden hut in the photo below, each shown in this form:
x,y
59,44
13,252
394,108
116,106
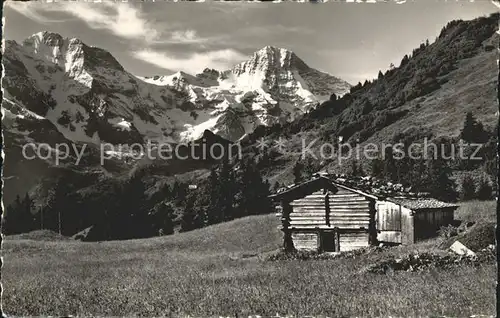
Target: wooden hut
x,y
323,215
403,220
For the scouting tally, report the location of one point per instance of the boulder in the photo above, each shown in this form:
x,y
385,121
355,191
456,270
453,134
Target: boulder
x,y
461,249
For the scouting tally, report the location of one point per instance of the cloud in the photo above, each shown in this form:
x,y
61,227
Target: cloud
x,y
195,63
121,19
184,36
237,7
30,10
187,36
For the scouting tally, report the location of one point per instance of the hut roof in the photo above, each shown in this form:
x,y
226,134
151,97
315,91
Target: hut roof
x,y
367,186
422,203
307,187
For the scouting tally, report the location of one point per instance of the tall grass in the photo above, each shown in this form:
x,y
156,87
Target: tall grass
x,y
477,211
212,271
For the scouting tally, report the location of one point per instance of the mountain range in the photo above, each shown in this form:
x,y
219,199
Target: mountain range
x,y
88,96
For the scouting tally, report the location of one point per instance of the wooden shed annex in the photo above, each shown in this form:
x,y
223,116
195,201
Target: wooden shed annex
x,y
324,215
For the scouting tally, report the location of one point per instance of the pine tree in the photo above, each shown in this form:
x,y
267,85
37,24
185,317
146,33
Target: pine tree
x,y
192,218
164,218
57,204
438,182
417,174
227,185
12,222
179,191
354,168
310,168
468,191
166,191
19,217
390,169
215,191
405,60
484,191
133,211
376,167
222,192
276,187
297,172
473,130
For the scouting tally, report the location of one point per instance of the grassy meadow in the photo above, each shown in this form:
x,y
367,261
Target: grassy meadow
x,y
222,270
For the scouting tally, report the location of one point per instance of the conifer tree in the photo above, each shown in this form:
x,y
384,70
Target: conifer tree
x,y
473,130
222,192
468,190
390,169
58,204
18,217
376,167
405,60
193,216
276,187
254,191
485,190
438,182
133,212
164,218
297,172
354,168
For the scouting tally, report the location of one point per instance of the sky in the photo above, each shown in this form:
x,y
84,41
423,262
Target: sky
x,y
350,40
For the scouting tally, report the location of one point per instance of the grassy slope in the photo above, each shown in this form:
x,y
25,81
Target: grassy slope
x,y
472,87
214,271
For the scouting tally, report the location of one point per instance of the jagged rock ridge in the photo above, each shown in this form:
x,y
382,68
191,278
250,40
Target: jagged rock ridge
x,y
89,97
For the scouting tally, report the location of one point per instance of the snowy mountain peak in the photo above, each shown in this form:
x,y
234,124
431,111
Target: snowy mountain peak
x,y
269,49
45,37
270,58
73,55
279,71
46,44
88,95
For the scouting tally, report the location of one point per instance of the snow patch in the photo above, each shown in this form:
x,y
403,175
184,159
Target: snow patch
x,y
120,123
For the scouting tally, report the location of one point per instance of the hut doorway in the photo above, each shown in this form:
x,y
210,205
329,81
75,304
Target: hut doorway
x,y
327,241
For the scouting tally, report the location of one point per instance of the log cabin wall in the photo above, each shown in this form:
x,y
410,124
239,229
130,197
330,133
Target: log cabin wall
x,y
346,212
305,240
352,240
349,210
310,211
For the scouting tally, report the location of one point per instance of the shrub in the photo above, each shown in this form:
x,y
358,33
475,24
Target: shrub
x,y
448,231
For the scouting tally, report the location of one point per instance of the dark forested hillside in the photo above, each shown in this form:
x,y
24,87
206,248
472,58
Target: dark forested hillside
x,y
427,95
